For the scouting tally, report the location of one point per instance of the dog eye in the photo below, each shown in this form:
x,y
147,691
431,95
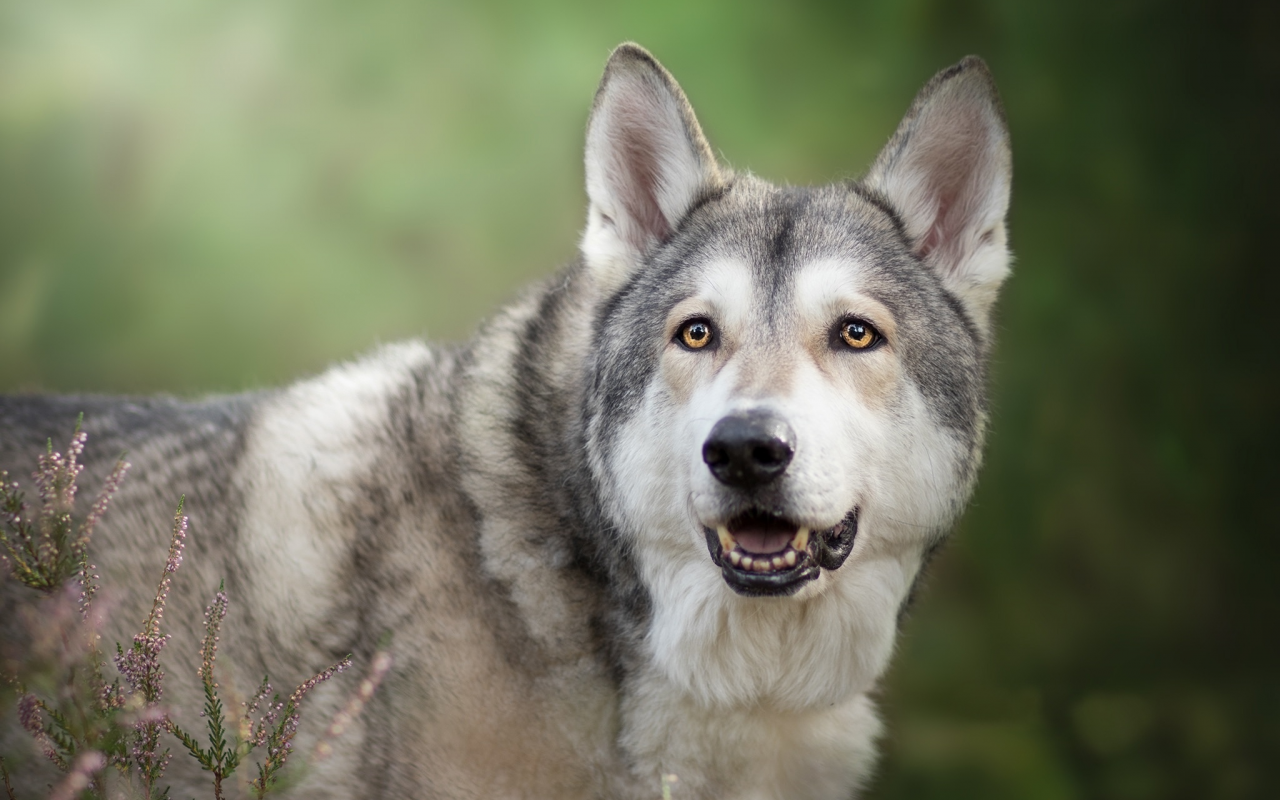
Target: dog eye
x,y
858,334
695,334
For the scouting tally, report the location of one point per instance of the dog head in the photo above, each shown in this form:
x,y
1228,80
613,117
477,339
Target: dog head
x,y
789,381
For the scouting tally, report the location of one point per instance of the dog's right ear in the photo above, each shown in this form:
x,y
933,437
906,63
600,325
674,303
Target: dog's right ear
x,y
947,171
647,163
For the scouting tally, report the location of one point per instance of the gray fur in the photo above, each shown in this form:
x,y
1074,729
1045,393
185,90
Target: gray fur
x,y
475,504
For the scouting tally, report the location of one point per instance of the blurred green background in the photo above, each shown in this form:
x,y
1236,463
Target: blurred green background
x,y
213,195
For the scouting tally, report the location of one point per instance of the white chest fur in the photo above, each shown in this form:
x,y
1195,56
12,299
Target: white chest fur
x,y
751,753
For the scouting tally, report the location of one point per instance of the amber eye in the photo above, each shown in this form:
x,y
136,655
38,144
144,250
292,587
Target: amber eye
x,y
695,334
858,334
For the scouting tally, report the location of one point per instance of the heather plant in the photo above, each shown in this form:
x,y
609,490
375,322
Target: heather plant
x,y
85,725
273,731
76,727
44,549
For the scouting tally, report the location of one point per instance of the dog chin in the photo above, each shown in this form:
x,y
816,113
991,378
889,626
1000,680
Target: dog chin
x,y
761,554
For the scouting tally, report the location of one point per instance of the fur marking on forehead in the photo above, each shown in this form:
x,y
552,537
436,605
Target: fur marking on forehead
x,y
727,282
829,286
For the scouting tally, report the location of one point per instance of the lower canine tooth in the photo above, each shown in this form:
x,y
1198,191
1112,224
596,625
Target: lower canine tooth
x,y
726,539
790,558
735,557
746,562
801,542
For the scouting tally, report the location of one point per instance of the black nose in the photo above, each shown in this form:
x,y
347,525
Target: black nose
x,y
751,449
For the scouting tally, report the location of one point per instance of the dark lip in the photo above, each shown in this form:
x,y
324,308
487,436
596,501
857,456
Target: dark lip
x,y
828,549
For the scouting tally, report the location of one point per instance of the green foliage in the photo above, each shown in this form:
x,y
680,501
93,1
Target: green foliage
x,y
219,759
273,732
8,784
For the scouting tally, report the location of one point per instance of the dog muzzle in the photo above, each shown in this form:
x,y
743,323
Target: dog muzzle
x,y
763,554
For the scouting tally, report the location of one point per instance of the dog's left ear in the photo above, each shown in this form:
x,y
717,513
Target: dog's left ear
x,y
647,163
947,172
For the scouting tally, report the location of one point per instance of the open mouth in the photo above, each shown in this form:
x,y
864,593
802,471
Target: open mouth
x,y
764,554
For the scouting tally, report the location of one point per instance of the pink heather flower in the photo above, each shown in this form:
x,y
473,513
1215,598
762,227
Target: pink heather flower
x,y
99,507
263,732
88,764
213,616
140,664
176,544
111,696
147,741
316,680
378,670
249,731
32,721
88,578
29,714
44,549
171,564
49,468
268,721
263,691
295,702
73,469
56,476
10,518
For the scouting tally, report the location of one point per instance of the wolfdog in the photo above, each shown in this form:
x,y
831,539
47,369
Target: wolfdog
x,y
660,516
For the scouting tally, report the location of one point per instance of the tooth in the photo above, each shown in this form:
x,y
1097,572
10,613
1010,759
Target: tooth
x,y
778,562
790,558
735,557
761,565
746,562
726,539
801,542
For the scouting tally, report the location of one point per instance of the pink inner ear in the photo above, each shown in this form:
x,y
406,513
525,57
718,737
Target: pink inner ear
x,y
952,164
935,235
951,219
637,148
637,143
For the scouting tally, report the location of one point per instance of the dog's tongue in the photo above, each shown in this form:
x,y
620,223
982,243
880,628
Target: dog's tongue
x,y
763,535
